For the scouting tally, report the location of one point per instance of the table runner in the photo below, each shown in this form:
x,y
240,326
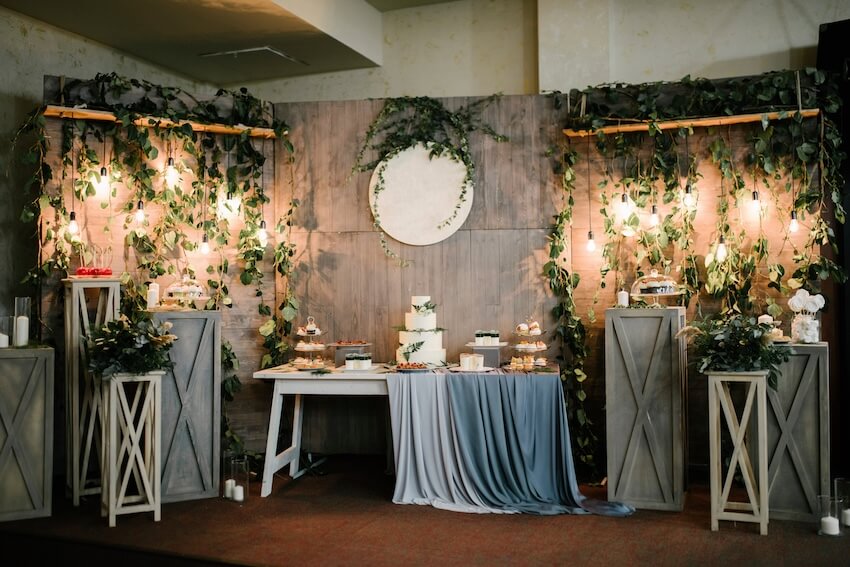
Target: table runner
x,y
486,443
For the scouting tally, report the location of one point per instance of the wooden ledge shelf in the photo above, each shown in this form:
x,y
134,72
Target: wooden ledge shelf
x,y
102,115
695,122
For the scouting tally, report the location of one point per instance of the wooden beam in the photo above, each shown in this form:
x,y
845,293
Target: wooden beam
x,y
693,123
102,115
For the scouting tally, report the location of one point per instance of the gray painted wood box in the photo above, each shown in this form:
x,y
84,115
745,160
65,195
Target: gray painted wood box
x,y
645,390
26,432
191,407
798,434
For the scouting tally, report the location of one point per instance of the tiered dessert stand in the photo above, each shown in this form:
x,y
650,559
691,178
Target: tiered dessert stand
x,y
309,347
529,347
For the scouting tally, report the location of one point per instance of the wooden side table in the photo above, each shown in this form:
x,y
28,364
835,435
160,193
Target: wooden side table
x,y
755,507
89,302
131,459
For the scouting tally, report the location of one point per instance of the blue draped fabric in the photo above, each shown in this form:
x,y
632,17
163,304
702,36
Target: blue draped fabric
x,y
486,443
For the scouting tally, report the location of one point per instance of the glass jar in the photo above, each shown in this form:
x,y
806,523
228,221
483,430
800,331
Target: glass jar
x,y
237,478
829,510
22,321
805,328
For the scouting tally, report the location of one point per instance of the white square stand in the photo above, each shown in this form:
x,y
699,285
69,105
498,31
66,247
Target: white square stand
x,y
82,402
131,459
755,508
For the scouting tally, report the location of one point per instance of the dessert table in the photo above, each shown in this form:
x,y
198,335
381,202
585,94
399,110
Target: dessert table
x,y
483,442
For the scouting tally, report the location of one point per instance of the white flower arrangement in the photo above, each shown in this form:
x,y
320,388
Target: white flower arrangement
x,y
805,328
804,302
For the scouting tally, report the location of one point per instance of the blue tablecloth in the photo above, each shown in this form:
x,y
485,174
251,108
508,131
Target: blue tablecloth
x,y
486,443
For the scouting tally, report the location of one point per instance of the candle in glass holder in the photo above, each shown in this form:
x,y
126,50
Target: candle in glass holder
x,y
228,488
238,493
622,298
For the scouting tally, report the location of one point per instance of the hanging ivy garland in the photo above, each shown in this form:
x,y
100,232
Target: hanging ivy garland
x,y
405,122
133,147
654,168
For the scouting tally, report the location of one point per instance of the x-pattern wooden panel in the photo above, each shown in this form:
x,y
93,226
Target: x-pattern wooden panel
x,y
12,425
190,414
786,424
643,423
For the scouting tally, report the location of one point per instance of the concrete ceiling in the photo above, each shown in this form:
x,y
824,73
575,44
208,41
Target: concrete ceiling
x,y
230,42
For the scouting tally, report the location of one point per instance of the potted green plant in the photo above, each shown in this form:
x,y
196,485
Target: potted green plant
x,y
735,342
130,347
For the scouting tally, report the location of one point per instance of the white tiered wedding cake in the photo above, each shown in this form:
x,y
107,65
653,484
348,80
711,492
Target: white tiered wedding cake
x,y
421,340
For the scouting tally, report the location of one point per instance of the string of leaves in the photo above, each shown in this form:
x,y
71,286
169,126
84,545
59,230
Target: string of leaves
x,y
406,122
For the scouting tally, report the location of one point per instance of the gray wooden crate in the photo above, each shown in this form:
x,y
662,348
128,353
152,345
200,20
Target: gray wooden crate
x,y
191,407
798,434
645,378
26,432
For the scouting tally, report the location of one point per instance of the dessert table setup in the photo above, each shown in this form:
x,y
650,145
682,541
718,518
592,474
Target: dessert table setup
x,y
466,437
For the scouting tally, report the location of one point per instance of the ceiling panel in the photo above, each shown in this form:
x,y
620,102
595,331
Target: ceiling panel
x,y
178,34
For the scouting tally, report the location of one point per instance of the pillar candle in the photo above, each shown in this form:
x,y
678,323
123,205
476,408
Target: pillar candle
x,y
22,330
239,494
228,487
153,295
845,517
829,525
4,340
622,298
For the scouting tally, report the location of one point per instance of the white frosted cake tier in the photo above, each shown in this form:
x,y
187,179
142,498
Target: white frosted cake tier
x,y
434,356
420,299
420,321
431,340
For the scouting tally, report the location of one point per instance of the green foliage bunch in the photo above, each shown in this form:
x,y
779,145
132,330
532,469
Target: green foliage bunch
x,y
133,346
736,342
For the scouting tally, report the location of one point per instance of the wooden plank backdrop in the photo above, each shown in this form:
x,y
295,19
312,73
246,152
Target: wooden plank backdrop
x,y
486,275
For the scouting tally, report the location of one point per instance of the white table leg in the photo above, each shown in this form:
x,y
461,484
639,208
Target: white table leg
x,y
764,492
714,451
297,422
271,441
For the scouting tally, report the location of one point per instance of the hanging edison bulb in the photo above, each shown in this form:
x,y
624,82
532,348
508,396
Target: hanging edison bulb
x,y
140,212
172,176
721,253
262,234
755,203
101,184
793,226
591,243
205,245
73,227
624,208
229,208
654,220
688,199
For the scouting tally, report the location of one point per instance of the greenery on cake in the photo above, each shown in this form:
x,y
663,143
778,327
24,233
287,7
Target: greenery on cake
x,y
410,349
425,308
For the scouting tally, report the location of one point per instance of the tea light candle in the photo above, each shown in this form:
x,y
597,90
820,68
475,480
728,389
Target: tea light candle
x,y
845,517
622,298
229,484
829,525
4,340
239,495
22,330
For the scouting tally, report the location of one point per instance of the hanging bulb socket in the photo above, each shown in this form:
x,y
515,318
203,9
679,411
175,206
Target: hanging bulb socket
x,y
170,162
73,227
755,196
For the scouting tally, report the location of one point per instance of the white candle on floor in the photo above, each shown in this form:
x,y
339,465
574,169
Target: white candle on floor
x,y
239,493
845,517
4,340
829,525
228,487
22,330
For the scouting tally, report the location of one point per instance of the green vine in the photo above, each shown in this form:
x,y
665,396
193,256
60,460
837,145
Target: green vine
x,y
406,122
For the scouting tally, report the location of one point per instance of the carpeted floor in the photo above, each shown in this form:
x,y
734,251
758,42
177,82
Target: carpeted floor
x,y
344,516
